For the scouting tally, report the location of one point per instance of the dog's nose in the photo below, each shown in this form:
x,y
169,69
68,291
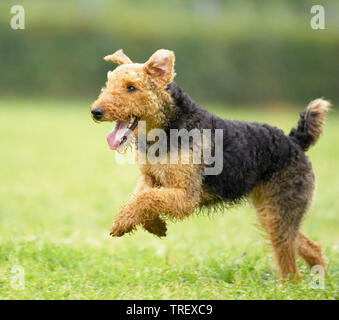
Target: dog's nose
x,y
98,113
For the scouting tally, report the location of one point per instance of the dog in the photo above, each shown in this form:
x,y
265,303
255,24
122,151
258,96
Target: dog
x,y
260,162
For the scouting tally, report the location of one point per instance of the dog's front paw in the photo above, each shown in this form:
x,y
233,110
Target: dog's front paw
x,y
118,229
156,226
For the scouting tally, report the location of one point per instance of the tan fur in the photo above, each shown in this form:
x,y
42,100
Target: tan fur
x,y
282,240
280,214
118,57
310,251
147,102
171,190
316,110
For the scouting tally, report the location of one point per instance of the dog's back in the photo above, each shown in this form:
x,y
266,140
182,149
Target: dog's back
x,y
252,152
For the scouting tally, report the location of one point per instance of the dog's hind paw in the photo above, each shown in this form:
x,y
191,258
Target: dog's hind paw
x,y
156,226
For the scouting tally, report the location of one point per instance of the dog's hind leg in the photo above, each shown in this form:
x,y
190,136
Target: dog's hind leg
x,y
281,203
281,235
310,251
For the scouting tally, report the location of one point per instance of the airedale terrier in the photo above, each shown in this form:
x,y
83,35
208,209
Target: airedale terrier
x,y
259,161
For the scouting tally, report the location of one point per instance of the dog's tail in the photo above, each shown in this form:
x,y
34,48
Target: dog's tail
x,y
310,124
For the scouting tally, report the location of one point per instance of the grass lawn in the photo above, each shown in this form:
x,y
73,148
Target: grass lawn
x,y
61,187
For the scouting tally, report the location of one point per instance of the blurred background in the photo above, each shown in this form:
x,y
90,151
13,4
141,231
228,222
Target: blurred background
x,y
227,51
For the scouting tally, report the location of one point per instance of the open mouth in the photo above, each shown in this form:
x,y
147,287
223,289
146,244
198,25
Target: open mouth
x,y
120,133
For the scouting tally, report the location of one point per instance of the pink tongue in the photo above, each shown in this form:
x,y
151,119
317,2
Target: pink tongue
x,y
115,136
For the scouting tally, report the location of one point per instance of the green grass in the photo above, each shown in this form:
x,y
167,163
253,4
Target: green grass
x,y
61,187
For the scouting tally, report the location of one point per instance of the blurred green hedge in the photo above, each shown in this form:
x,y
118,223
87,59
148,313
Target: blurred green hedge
x,y
234,56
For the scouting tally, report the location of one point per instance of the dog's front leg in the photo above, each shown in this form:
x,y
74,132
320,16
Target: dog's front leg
x,y
145,206
156,225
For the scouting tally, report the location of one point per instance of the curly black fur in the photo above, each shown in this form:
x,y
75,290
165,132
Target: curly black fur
x,y
300,134
252,152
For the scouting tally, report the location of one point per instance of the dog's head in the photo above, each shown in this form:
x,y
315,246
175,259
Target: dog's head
x,y
134,92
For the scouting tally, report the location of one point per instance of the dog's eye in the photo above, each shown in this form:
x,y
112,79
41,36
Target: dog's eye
x,y
131,88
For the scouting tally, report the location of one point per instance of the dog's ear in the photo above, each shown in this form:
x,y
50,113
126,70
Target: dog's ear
x,y
118,57
160,67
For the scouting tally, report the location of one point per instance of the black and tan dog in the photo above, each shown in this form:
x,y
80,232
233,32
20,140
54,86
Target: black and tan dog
x,y
259,161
